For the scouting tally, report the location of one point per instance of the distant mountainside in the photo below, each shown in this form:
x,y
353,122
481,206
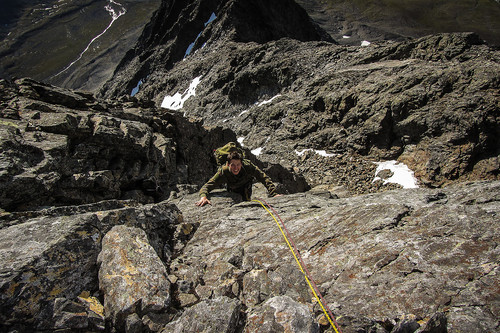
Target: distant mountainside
x,y
53,41
74,44
351,22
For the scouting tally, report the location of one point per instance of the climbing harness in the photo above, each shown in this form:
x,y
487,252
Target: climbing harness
x,y
302,266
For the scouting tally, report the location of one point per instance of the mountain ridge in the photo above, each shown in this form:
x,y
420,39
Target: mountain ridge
x,y
99,231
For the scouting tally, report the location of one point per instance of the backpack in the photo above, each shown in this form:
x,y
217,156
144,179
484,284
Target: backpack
x,y
222,152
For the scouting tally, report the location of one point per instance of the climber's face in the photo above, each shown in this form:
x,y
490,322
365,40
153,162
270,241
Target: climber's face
x,y
235,166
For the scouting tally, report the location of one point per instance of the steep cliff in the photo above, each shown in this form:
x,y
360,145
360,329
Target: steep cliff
x,y
98,227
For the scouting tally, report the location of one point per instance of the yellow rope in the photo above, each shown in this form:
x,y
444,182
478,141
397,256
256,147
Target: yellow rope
x,y
300,266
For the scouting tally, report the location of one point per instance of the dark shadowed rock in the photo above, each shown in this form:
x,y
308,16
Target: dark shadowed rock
x,y
81,314
436,324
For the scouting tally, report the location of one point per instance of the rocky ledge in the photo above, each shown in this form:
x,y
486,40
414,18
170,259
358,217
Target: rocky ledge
x,y
98,227
416,260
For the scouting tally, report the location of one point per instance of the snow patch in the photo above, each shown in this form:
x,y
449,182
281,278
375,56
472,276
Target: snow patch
x,y
256,151
324,153
176,102
268,101
190,47
319,152
402,175
346,37
365,43
240,140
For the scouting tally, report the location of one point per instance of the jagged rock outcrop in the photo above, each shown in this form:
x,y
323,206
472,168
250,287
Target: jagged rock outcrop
x,y
49,259
98,226
176,25
61,147
431,103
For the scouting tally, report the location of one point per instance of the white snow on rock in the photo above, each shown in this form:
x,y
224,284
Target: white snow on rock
x,y
365,43
402,175
256,151
176,102
190,47
319,152
323,153
268,101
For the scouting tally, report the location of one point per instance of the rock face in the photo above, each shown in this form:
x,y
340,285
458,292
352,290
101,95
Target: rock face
x,y
60,147
407,258
431,103
98,227
49,258
383,261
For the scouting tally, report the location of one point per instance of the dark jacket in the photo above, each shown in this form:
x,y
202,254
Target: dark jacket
x,y
248,172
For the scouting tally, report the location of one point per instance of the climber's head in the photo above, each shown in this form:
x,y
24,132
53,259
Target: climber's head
x,y
234,160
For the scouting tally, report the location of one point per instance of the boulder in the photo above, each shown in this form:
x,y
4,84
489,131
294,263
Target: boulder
x,y
51,255
132,277
281,314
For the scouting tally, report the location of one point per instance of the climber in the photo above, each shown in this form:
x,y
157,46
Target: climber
x,y
238,173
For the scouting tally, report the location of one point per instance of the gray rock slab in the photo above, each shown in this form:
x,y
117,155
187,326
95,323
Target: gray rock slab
x,y
52,253
281,314
219,314
132,277
376,258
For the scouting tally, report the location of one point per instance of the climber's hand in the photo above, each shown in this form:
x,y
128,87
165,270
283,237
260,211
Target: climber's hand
x,y
203,201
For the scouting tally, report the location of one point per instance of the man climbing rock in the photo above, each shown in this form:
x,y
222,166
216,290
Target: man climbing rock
x,y
238,174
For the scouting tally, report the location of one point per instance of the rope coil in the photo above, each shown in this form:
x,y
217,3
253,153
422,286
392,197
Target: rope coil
x,y
302,266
